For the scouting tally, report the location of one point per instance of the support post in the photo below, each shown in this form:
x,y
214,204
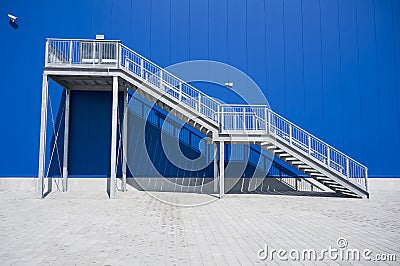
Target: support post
x,y
124,140
221,169
113,174
66,140
42,145
215,153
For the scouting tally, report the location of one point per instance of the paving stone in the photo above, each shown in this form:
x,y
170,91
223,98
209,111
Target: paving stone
x,y
86,228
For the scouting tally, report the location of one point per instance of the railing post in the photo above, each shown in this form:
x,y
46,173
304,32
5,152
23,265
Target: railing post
x,y
270,121
366,179
328,156
180,91
309,145
290,134
244,119
347,167
222,118
254,122
266,120
142,68
199,103
127,63
161,80
47,52
70,51
94,51
234,122
119,59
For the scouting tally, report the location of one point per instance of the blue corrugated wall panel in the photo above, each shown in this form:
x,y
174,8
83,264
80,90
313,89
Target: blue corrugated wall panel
x,y
333,66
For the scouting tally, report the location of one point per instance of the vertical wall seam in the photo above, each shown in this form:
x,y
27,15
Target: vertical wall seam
x,y
284,59
322,69
266,49
302,49
340,74
395,73
359,82
377,79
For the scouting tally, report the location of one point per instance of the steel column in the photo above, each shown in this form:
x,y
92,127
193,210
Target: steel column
x,y
114,126
43,127
221,169
66,140
124,140
215,167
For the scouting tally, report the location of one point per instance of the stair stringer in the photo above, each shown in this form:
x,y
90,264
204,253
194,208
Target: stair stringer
x,y
343,181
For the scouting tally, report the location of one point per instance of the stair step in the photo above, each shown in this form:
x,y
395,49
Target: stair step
x,y
341,189
316,174
310,171
321,177
298,163
292,159
336,186
285,155
329,182
279,151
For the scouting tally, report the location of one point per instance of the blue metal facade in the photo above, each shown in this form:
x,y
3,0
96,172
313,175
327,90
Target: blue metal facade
x,y
330,66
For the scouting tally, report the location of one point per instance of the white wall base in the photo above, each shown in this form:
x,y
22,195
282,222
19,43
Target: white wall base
x,y
382,184
100,184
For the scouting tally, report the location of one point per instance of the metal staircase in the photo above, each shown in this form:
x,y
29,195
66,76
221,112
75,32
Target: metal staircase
x,y
99,64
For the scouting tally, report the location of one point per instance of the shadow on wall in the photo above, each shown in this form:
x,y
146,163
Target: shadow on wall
x,y
89,142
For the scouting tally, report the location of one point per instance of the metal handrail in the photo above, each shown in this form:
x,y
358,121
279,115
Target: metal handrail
x,y
171,81
312,146
250,117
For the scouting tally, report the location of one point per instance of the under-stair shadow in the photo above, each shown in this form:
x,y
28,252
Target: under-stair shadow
x,y
156,173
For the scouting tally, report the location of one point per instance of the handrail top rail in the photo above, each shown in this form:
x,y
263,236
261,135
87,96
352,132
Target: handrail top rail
x,y
84,40
291,123
173,76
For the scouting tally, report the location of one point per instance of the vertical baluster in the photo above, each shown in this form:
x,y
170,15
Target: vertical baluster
x,y
94,51
180,91
142,68
222,118
199,103
328,156
161,80
266,120
70,52
244,119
